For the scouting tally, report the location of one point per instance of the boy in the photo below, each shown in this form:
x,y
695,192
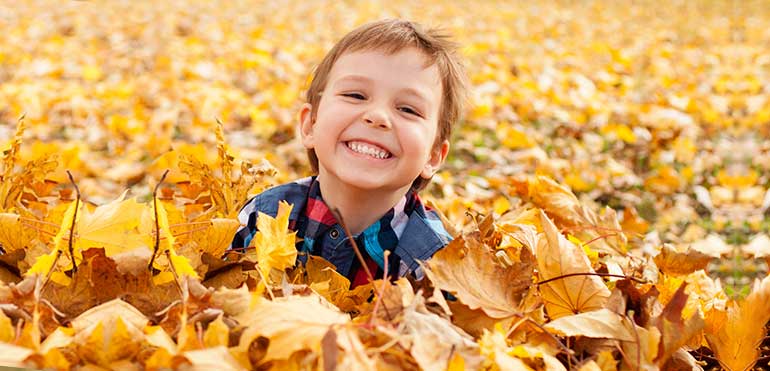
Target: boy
x,y
376,127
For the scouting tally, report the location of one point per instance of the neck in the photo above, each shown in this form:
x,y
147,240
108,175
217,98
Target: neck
x,y
359,208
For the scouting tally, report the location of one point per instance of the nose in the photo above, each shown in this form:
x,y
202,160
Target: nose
x,y
376,117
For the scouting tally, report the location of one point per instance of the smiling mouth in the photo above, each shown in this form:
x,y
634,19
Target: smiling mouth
x,y
368,149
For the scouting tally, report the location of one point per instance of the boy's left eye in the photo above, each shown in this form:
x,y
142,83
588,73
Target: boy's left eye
x,y
409,110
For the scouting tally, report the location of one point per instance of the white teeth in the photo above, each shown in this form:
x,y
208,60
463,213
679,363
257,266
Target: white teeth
x,y
367,149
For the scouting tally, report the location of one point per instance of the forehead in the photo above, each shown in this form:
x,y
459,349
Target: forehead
x,y
407,68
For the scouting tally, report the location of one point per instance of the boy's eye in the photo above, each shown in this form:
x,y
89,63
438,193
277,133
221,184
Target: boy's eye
x,y
409,110
354,96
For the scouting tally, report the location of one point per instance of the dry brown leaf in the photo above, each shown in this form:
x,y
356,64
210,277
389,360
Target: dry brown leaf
x,y
292,324
470,270
434,339
558,257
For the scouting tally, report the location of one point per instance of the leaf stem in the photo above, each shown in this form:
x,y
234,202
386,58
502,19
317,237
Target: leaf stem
x,y
72,226
360,257
382,289
157,225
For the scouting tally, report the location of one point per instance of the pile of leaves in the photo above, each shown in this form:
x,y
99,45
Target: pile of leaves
x,y
608,191
548,285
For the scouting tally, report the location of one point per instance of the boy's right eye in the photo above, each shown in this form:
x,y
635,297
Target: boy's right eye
x,y
354,96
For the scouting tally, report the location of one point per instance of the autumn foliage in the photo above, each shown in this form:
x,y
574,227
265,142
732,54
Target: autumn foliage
x,y
607,192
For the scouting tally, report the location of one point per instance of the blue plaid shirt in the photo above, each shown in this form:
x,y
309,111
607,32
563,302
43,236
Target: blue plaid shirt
x,y
410,231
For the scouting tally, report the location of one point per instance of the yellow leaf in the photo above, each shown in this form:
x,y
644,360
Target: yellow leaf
x,y
558,257
273,242
217,237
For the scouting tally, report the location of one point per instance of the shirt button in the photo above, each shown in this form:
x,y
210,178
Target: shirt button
x,y
334,233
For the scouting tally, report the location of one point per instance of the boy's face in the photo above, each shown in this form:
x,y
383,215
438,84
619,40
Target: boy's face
x,y
377,121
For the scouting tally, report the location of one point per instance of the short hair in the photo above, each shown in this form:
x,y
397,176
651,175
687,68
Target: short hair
x,y
392,36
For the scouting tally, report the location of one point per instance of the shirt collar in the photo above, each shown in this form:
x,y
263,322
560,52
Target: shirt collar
x,y
379,236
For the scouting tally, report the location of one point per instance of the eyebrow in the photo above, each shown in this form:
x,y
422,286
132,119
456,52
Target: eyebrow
x,y
360,78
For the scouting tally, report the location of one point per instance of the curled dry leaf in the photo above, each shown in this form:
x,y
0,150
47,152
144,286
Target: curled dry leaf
x,y
469,270
557,258
676,330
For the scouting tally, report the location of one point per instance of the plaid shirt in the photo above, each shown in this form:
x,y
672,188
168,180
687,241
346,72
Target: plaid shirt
x,y
410,231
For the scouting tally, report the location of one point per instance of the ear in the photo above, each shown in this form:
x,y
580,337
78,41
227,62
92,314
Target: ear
x,y
437,157
306,124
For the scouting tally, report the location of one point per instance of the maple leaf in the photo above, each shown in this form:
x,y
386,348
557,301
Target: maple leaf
x,y
557,258
273,243
112,226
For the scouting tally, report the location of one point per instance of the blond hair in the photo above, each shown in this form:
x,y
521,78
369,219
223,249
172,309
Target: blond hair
x,y
391,36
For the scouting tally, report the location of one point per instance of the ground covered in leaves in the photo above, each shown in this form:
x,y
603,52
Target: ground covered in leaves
x,y
608,191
